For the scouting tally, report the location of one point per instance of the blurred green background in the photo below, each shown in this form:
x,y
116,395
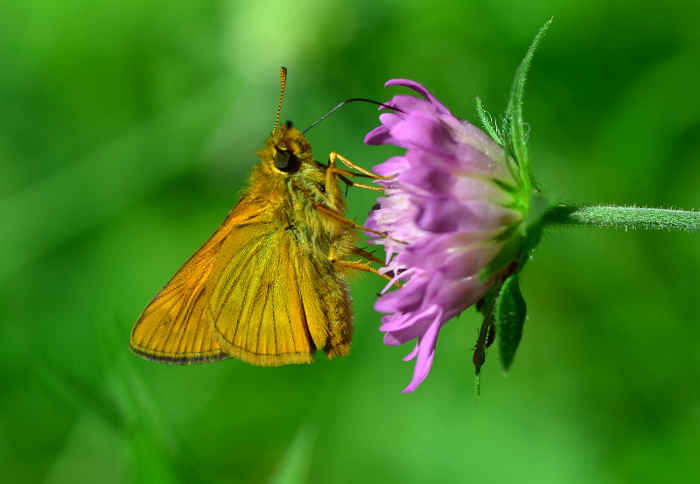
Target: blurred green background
x,y
126,133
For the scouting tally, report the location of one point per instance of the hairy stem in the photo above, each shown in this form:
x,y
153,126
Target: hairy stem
x,y
627,217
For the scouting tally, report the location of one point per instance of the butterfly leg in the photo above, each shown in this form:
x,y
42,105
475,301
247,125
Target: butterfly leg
x,y
371,258
368,174
367,255
345,174
362,266
357,265
329,212
350,183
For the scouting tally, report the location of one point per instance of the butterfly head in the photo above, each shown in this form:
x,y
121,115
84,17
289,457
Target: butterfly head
x,y
287,150
288,170
287,155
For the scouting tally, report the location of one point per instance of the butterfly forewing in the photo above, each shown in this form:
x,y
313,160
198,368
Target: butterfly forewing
x,y
174,327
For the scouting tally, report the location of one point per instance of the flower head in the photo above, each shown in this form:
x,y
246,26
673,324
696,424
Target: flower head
x,y
452,203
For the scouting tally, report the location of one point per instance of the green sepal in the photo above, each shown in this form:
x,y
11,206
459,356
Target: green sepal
x,y
523,238
516,130
509,315
487,122
503,304
510,252
539,207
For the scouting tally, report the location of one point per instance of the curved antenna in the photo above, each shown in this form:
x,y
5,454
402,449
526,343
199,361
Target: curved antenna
x,y
283,81
343,104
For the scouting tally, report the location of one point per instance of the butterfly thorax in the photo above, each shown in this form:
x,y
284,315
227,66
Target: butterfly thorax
x,y
291,183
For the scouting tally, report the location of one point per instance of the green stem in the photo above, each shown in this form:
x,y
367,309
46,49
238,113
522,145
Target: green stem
x,y
627,217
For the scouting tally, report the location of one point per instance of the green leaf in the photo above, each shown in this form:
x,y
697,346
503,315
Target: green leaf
x,y
514,115
509,313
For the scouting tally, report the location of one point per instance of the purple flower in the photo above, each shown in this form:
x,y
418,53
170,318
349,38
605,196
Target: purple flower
x,y
450,206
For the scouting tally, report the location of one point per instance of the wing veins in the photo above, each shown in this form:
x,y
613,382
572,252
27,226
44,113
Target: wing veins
x,y
267,293
232,285
188,315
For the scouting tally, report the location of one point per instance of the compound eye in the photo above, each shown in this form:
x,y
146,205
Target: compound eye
x,y
285,161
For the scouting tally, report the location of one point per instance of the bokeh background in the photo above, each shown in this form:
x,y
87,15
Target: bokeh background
x,y
126,132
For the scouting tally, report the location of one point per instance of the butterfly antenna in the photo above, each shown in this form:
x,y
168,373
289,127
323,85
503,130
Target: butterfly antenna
x,y
283,81
343,104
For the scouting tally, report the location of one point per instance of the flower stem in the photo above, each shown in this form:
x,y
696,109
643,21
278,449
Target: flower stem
x,y
627,217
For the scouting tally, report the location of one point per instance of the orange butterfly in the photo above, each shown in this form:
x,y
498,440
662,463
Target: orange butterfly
x,y
269,287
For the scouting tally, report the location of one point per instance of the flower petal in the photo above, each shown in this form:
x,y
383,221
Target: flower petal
x,y
447,208
425,356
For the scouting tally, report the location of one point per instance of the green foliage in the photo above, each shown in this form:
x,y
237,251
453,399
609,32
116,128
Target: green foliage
x,y
127,132
517,131
487,122
510,313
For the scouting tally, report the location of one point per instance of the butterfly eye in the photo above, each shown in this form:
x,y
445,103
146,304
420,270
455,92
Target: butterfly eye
x,y
286,161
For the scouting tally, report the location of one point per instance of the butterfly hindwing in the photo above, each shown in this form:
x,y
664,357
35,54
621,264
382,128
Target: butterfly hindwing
x,y
263,306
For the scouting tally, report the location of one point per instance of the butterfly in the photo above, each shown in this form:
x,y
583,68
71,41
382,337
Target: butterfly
x,y
269,287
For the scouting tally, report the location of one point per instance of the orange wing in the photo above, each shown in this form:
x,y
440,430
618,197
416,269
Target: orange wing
x,y
272,303
250,292
174,327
